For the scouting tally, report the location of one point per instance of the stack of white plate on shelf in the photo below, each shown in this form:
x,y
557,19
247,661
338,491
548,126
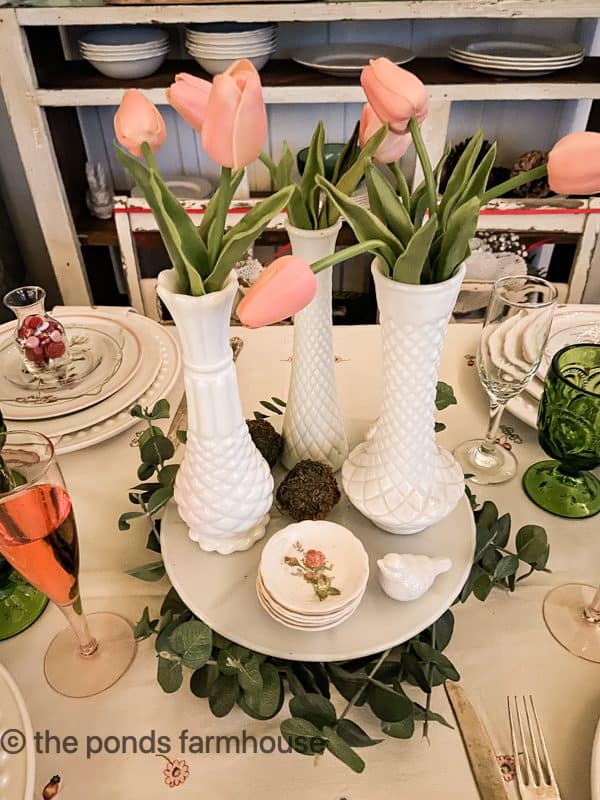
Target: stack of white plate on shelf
x,y
312,575
118,358
572,324
215,46
506,58
125,51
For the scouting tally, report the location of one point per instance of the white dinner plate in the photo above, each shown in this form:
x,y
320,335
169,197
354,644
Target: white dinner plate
x,y
221,590
117,347
17,770
349,59
570,326
124,35
526,62
596,765
511,50
525,408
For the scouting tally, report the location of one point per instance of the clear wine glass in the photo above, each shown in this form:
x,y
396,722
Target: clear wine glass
x,y
572,615
38,537
515,330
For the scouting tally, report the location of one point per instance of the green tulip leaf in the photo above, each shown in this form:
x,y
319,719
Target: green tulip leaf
x,y
386,204
347,156
211,209
283,174
409,265
315,165
461,174
459,231
478,181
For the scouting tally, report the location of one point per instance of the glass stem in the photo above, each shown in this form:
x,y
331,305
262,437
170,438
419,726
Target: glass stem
x,y
489,445
78,623
592,612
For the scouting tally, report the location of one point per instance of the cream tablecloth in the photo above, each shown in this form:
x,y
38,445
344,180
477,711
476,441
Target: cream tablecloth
x,y
499,647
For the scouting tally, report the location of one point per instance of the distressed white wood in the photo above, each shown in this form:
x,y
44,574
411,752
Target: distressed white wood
x,y
91,14
129,262
35,148
591,293
542,220
434,131
586,255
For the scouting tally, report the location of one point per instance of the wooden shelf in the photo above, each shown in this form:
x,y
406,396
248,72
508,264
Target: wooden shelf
x,y
77,83
93,12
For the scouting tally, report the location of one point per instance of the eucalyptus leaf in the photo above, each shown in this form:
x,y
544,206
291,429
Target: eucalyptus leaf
x,y
502,530
354,735
444,396
432,656
159,499
531,543
507,565
422,714
202,679
145,627
403,729
153,543
302,736
482,587
223,695
267,703
128,515
313,707
169,674
340,749
157,450
146,471
249,676
167,474
151,572
172,602
390,706
193,642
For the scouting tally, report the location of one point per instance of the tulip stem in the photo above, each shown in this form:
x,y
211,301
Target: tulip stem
x,y
149,156
371,245
215,234
401,184
512,183
415,132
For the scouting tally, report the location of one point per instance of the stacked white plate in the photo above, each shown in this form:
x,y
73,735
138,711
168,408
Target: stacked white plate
x,y
125,51
346,59
572,324
312,575
505,58
215,46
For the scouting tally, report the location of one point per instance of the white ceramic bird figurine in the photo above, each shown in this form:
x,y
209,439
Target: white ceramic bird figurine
x,y
407,576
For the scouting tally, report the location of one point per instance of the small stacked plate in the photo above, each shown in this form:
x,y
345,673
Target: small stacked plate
x,y
573,324
516,59
125,51
343,60
215,46
312,575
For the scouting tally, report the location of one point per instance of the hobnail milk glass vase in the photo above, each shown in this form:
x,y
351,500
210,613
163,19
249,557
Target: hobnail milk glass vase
x,y
399,478
224,487
313,426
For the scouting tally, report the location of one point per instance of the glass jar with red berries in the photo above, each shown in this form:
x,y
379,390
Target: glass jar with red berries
x,y
40,338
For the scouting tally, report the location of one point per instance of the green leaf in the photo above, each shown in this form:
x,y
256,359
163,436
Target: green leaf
x,y
507,565
145,471
444,628
347,683
502,530
313,707
162,409
478,182
223,695
386,204
460,176
482,587
211,209
249,677
152,543
193,642
270,406
347,156
137,411
124,519
237,240
283,171
165,629
314,166
409,265
169,675
157,450
364,223
172,602
390,706
151,572
354,735
268,702
302,736
145,627
444,396
340,749
181,436
425,715
148,434
202,680
414,669
432,656
531,543
403,729
159,498
167,474
460,228
296,211
438,427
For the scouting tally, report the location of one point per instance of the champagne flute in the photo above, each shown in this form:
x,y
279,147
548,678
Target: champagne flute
x,y
515,330
572,615
38,537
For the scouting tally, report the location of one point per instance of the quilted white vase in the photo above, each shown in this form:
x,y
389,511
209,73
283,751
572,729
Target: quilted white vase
x,y
313,426
224,487
399,478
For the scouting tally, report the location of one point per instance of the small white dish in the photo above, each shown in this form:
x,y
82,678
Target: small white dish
x,y
214,66
118,35
408,576
135,68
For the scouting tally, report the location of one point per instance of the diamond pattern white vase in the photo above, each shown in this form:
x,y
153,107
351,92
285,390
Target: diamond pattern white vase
x,y
313,426
399,478
224,487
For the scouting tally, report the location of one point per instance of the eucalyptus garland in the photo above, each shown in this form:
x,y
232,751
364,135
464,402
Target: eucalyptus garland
x,y
228,675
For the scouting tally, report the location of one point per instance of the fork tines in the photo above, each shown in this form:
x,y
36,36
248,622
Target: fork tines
x,y
532,763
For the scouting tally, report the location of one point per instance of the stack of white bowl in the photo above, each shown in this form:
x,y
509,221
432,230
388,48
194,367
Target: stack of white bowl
x,y
312,575
125,51
215,46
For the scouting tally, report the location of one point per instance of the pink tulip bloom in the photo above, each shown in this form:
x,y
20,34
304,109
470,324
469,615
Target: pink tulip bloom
x,y
138,120
235,125
189,97
396,95
574,164
393,146
284,288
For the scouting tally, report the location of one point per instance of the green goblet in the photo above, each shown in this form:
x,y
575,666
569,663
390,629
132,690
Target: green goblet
x,y
569,431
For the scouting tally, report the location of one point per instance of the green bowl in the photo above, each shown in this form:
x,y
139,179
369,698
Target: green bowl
x,y
330,155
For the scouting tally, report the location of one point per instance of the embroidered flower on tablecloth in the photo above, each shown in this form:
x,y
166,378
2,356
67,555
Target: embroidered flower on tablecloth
x,y
313,567
176,772
507,767
470,359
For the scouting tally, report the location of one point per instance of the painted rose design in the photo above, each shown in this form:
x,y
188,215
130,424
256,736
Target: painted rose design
x,y
314,568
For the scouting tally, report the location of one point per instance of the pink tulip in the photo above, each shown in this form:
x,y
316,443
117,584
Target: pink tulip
x,y
138,120
574,164
393,146
396,95
189,97
285,287
235,126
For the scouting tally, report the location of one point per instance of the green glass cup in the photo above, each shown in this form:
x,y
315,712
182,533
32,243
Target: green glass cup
x,y
20,603
569,432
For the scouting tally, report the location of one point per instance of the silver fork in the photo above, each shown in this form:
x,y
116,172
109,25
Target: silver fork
x,y
535,778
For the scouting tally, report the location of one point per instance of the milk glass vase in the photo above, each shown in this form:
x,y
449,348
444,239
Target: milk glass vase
x,y
313,427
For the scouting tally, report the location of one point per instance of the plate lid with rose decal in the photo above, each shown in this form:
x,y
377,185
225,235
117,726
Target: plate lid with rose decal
x,y
314,569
